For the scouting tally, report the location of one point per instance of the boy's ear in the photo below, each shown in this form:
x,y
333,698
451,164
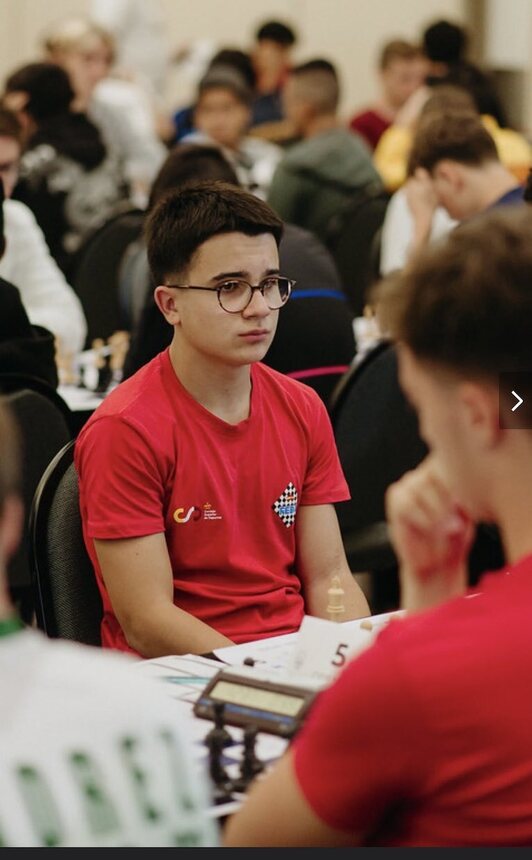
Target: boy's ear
x,y
165,299
481,409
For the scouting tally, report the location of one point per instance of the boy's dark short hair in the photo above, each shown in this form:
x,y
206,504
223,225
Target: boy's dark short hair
x,y
238,60
187,163
444,42
10,126
184,220
465,305
457,135
47,86
275,31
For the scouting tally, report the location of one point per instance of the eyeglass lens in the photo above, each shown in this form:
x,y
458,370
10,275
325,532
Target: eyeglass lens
x,y
236,295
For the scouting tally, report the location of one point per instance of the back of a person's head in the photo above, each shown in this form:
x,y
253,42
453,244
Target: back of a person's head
x,y
276,31
316,83
444,42
188,163
397,49
446,98
465,305
76,33
182,221
47,88
9,459
236,59
454,135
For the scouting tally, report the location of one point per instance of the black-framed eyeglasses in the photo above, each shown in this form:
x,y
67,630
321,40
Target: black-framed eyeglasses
x,y
235,295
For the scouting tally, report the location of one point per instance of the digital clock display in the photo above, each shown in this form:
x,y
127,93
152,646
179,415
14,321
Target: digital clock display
x,y
257,698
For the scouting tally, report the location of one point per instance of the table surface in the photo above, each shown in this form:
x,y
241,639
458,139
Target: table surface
x,y
185,677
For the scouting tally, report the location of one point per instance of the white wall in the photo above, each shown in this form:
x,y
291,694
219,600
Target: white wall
x,y
347,31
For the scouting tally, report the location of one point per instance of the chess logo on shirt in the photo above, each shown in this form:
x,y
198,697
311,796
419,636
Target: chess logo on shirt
x,y
286,505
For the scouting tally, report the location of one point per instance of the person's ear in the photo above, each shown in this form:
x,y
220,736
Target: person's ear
x,y
11,520
480,411
451,172
166,300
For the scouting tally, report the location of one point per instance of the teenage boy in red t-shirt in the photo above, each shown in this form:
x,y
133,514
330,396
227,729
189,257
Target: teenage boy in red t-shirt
x,y
425,738
207,479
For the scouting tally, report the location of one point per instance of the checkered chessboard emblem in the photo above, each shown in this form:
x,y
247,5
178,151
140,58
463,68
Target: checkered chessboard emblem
x,y
286,505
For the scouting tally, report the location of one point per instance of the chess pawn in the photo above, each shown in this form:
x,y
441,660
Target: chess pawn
x,y
336,594
119,343
102,365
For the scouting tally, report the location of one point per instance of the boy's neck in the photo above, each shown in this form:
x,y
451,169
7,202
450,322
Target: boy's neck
x,y
221,389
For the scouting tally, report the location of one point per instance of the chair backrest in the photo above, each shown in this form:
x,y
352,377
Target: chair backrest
x,y
350,236
68,603
96,274
378,440
42,432
376,434
13,382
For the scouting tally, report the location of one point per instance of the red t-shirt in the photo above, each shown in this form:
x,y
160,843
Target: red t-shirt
x,y
371,125
151,459
426,738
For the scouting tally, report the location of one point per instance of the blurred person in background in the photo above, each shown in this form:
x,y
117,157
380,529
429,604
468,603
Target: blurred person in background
x,y
48,299
222,116
138,31
391,154
24,348
272,58
322,172
454,163
67,177
445,46
401,73
183,119
119,108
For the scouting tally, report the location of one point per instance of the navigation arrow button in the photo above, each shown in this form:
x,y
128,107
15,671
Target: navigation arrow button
x,y
519,399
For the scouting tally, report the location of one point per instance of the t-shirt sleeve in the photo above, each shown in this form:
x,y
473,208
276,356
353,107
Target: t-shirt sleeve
x,y
360,752
324,480
120,481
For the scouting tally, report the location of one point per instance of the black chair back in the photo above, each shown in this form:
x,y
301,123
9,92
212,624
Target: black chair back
x,y
13,382
349,238
68,603
378,441
96,274
43,432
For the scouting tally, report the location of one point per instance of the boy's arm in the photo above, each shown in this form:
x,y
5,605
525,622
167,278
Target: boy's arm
x,y
138,577
320,556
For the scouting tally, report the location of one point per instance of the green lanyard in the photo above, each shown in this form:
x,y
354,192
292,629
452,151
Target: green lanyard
x,y
10,625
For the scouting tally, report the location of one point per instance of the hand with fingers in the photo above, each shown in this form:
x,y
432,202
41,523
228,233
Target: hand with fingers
x,y
422,202
431,535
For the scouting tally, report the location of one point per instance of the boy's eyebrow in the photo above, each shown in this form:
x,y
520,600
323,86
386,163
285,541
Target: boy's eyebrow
x,y
224,276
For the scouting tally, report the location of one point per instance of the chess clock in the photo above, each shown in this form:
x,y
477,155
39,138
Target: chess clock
x,y
275,706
